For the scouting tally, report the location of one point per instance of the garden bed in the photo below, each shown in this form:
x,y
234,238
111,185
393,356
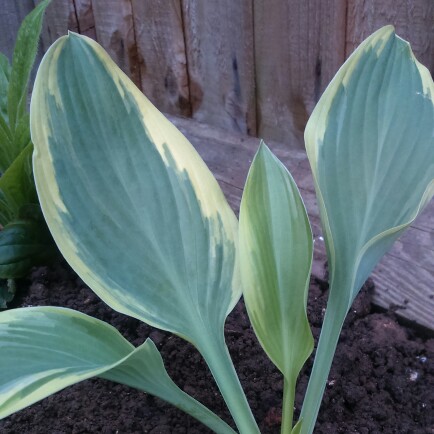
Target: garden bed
x,y
382,379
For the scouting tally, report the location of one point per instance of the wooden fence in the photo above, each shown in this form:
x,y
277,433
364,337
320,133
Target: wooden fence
x,y
251,66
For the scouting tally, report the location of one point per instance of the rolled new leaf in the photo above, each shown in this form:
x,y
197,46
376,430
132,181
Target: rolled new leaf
x,y
45,349
370,143
132,206
276,259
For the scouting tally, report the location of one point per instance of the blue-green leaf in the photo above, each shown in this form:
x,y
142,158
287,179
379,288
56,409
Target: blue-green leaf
x,y
45,349
130,203
132,206
370,142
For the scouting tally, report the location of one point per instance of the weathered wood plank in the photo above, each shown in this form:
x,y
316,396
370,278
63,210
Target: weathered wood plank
x,y
85,18
299,46
64,15
404,279
413,20
407,289
219,43
161,54
60,17
115,31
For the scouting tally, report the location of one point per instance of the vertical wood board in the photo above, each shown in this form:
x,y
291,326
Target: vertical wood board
x,y
59,17
161,54
115,31
413,20
299,46
85,18
219,45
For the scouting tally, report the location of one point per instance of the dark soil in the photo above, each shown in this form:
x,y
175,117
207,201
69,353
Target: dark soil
x,y
382,379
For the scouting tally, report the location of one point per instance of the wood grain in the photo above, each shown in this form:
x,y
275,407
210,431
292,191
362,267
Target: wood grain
x,y
64,15
161,54
219,45
115,31
249,66
413,20
85,18
60,17
404,279
299,46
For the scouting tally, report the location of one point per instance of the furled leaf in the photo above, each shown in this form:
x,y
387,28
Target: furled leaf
x,y
275,260
131,205
370,142
22,62
45,349
371,146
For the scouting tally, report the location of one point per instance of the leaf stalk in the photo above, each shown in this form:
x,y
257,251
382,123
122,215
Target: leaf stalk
x,y
332,325
287,406
217,357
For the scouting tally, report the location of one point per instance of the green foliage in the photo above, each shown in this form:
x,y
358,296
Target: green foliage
x,y
133,207
370,143
17,187
276,256
24,239
74,347
5,73
106,160
26,47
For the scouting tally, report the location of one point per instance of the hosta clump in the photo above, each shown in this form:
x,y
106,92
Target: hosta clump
x,y
140,218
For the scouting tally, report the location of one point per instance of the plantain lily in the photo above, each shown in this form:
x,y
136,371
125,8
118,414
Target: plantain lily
x,y
140,218
132,206
276,258
370,143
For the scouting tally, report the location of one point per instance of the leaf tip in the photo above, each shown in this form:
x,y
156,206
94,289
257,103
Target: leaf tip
x,y
263,150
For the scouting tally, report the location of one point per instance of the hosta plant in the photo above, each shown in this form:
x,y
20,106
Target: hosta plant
x,y
140,218
24,237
